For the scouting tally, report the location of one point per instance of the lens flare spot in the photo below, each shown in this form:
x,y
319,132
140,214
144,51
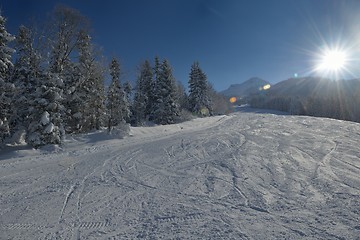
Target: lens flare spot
x,y
233,99
204,111
266,87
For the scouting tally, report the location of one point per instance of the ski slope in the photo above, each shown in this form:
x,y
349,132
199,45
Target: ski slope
x,y
244,176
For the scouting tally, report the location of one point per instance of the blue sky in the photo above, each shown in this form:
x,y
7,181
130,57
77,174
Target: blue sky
x,y
233,40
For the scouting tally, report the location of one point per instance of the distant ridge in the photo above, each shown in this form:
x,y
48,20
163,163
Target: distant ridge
x,y
313,96
246,88
315,87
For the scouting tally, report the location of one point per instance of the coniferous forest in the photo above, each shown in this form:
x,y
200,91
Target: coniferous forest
x,y
52,83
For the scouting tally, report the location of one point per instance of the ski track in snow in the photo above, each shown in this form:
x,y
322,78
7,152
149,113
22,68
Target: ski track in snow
x,y
243,176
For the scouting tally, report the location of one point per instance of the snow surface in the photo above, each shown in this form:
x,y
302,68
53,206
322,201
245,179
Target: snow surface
x,y
244,176
45,118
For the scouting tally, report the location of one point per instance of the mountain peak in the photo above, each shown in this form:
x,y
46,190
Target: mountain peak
x,y
246,88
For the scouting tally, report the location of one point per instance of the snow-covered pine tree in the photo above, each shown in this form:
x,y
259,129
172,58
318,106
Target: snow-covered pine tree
x,y
199,99
5,50
97,102
117,106
25,77
152,90
182,96
65,26
91,85
148,87
139,105
6,87
143,93
85,97
47,112
166,106
46,123
128,92
47,119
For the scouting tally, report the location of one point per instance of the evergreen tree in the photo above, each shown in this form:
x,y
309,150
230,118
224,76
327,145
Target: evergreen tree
x,y
97,102
85,98
148,88
157,68
128,91
92,86
39,97
46,123
118,108
199,99
67,26
26,75
6,87
143,94
139,105
182,96
152,91
166,106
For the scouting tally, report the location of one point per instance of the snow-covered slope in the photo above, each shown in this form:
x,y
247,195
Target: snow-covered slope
x,y
244,176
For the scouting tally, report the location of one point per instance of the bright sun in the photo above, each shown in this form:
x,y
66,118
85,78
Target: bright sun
x,y
332,61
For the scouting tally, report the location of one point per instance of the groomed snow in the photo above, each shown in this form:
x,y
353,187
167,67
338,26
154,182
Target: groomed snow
x,y
244,176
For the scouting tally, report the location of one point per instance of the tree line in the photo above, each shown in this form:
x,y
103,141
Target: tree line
x,y
56,86
338,106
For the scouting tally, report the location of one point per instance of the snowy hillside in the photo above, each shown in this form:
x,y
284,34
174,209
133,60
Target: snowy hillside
x,y
243,176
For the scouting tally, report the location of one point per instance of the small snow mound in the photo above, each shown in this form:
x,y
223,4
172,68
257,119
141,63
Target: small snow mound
x,y
50,128
51,148
121,131
45,118
18,137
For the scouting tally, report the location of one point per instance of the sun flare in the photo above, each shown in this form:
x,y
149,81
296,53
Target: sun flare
x,y
332,60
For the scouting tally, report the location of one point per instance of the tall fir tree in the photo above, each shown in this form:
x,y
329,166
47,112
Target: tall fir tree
x,y
152,91
91,85
85,98
46,119
148,88
27,71
6,87
66,27
97,102
166,106
117,106
143,94
199,98
50,100
128,89
182,96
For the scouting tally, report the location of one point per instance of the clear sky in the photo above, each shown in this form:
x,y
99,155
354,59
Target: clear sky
x,y
233,40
